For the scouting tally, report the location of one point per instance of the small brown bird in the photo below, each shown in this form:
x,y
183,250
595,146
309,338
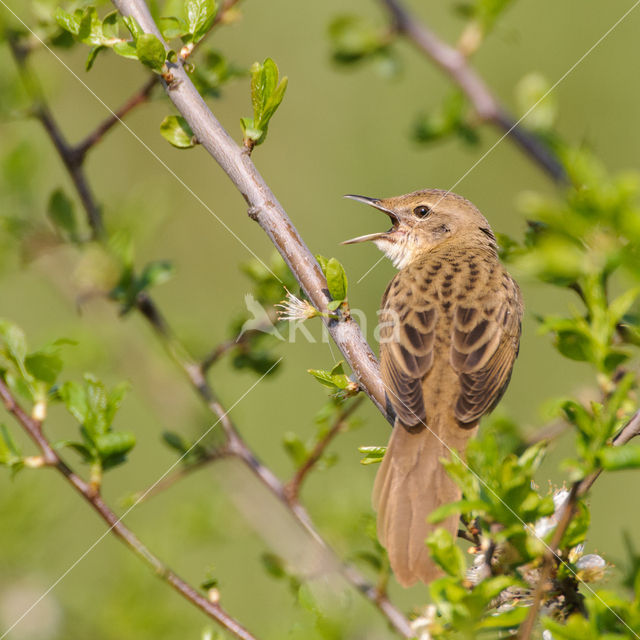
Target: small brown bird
x,y
449,335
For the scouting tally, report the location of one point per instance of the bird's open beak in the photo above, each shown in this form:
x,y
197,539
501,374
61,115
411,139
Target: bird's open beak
x,y
376,203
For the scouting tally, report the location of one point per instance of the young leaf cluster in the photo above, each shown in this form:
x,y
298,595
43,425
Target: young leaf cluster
x,y
94,407
267,92
336,281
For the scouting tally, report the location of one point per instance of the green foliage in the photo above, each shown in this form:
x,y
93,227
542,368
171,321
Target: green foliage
x,y
300,451
535,99
607,616
355,39
451,118
484,12
267,92
131,284
335,379
372,454
200,16
594,429
336,281
10,455
446,554
255,332
62,215
150,51
29,375
212,71
86,26
190,452
95,408
177,132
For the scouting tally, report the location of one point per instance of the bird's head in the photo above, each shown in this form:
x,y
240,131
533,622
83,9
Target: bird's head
x,y
422,221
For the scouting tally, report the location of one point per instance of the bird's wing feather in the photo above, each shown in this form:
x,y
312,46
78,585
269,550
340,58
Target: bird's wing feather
x,y
407,333
484,346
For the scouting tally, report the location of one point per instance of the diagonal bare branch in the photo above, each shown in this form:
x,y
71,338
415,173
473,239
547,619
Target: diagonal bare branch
x,y
455,65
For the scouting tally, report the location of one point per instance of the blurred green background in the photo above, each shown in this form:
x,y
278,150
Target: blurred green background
x,y
336,132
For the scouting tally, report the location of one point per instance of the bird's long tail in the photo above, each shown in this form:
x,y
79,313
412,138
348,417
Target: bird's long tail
x,y
410,484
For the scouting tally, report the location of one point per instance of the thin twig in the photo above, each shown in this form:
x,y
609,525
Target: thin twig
x,y
237,447
292,488
176,476
486,105
548,563
87,491
628,432
139,97
42,113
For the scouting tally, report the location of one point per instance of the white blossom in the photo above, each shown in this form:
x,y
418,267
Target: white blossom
x,y
292,308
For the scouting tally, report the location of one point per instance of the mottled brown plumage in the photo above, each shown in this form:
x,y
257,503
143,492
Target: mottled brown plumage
x,y
450,330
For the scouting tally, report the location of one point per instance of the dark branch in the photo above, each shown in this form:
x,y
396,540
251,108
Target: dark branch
x,y
453,63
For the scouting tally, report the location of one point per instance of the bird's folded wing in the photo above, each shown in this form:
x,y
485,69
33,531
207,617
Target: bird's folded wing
x,y
407,336
484,346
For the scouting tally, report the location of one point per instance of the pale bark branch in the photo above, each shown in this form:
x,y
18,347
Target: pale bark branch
x,y
265,209
195,371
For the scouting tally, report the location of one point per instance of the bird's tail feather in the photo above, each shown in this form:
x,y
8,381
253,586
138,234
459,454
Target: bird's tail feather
x,y
410,484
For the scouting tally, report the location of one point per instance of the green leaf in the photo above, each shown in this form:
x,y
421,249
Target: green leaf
x,y
110,25
134,27
200,16
452,508
372,455
330,379
534,98
177,132
13,340
10,455
336,279
176,441
266,96
150,51
274,565
74,398
172,27
88,455
295,448
354,38
126,50
67,21
445,553
93,54
616,458
44,365
114,444
155,273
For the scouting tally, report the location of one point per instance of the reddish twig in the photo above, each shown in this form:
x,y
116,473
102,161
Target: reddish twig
x,y
292,488
141,96
88,492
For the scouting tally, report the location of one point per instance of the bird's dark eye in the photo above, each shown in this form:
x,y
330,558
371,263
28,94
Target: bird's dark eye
x,y
422,211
